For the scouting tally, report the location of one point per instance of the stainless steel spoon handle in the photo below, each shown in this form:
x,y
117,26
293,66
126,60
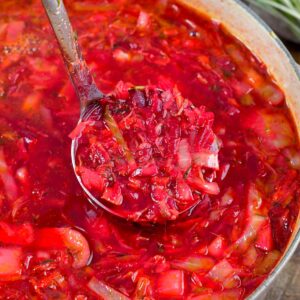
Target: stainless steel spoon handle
x,y
81,77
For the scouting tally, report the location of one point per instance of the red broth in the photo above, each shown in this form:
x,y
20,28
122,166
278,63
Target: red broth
x,y
55,244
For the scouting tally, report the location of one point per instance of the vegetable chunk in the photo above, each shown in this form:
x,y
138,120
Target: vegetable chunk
x,y
171,284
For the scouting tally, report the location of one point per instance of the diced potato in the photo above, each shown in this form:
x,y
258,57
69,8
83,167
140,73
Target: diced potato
x,y
105,291
217,247
194,264
221,271
268,263
171,284
272,94
273,129
10,263
143,22
184,156
249,258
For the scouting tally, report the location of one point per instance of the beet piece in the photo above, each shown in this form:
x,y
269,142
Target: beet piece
x,y
281,225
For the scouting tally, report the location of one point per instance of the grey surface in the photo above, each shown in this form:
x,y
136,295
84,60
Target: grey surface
x,y
287,285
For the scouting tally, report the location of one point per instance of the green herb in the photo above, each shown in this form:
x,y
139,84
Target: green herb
x,y
46,261
75,34
286,10
117,133
215,88
187,172
161,248
227,73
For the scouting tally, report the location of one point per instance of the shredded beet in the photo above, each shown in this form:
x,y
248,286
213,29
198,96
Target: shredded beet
x,y
148,155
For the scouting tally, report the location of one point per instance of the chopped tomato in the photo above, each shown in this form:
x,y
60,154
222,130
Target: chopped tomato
x,y
91,179
14,31
16,234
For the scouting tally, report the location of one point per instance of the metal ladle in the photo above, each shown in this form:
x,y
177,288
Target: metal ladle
x,y
84,84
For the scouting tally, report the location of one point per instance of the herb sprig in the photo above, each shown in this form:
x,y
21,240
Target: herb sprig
x,y
287,11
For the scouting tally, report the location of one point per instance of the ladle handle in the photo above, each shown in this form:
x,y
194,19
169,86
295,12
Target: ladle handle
x,y
81,77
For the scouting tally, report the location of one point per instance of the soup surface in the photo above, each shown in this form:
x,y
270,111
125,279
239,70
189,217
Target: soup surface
x,y
55,244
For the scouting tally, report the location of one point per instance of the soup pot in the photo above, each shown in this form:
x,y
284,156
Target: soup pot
x,y
246,26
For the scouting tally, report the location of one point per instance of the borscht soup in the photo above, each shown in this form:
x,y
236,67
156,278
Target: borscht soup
x,y
195,139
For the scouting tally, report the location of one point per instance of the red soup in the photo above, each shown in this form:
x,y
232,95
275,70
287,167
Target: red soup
x,y
56,244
